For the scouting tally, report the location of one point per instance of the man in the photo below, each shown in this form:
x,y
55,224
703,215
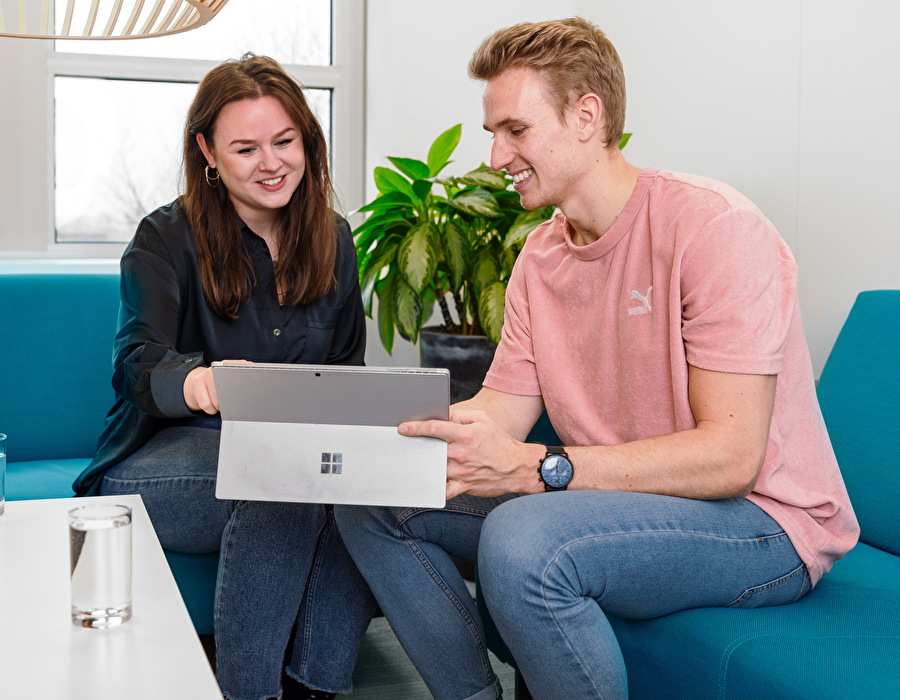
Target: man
x,y
655,318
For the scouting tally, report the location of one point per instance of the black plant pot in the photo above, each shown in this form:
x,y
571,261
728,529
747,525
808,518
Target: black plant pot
x,y
468,358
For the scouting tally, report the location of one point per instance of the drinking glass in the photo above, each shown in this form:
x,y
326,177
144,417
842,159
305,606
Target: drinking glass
x,y
100,556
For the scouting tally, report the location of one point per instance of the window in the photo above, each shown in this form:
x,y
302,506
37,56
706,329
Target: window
x,y
119,109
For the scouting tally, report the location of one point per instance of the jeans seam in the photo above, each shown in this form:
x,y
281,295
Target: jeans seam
x,y
775,583
451,596
221,584
160,479
448,592
545,588
309,590
409,513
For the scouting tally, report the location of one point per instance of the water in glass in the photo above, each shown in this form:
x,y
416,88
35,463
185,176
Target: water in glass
x,y
100,555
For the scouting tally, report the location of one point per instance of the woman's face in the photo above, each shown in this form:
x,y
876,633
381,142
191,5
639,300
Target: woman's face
x,y
258,152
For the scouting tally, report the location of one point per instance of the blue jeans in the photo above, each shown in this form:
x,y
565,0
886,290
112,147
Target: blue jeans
x,y
284,574
550,565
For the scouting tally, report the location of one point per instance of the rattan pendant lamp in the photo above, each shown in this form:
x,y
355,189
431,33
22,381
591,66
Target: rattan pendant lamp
x,y
104,19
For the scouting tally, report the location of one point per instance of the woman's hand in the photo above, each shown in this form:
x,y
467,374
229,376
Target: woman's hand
x,y
200,391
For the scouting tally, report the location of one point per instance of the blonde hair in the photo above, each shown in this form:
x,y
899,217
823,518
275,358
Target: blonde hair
x,y
574,57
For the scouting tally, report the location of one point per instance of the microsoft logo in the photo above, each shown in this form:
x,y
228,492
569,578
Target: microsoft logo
x,y
332,462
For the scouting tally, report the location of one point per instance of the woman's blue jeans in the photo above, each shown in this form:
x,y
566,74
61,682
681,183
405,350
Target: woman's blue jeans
x,y
551,566
284,574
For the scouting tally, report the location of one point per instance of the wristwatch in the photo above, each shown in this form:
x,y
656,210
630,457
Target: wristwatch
x,y
556,470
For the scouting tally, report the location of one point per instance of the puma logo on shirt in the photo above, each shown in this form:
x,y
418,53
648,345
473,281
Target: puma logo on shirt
x,y
644,308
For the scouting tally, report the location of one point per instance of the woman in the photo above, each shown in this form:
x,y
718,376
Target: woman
x,y
252,264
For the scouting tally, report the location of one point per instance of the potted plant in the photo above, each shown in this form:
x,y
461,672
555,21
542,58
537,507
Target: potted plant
x,y
445,240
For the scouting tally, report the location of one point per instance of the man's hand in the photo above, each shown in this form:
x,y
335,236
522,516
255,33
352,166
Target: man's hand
x,y
482,458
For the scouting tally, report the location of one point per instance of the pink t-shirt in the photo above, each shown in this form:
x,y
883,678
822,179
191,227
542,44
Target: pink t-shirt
x,y
691,272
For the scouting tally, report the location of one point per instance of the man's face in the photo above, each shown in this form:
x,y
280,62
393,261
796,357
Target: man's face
x,y
530,143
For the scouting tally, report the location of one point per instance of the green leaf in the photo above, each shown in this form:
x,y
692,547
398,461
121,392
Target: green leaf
x,y
367,289
386,312
408,309
624,141
490,310
507,262
387,201
509,200
485,271
370,272
485,177
384,220
419,254
429,298
456,253
442,148
477,202
380,234
422,188
524,224
413,169
387,181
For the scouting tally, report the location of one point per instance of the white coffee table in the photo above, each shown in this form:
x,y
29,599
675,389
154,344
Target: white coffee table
x,y
43,655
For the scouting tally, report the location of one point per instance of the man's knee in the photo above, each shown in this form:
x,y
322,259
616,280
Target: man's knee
x,y
512,551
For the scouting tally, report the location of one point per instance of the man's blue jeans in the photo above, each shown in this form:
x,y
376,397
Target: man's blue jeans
x,y
284,574
550,566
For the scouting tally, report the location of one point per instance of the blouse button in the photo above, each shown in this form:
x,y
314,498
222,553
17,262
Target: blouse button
x,y
277,332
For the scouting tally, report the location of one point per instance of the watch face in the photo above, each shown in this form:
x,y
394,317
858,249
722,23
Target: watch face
x,y
556,471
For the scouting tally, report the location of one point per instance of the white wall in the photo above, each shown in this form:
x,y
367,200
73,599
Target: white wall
x,y
790,101
25,130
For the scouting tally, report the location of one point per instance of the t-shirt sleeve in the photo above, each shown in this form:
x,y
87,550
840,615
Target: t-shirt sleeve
x,y
513,369
738,286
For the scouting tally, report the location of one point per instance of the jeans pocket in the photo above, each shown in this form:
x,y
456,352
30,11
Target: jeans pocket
x,y
781,591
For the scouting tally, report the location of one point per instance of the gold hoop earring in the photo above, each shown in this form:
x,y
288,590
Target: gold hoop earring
x,y
212,181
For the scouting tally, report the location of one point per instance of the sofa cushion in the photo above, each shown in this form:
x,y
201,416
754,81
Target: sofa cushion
x,y
56,361
858,393
841,641
43,478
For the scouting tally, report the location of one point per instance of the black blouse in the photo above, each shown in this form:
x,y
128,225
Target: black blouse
x,y
166,329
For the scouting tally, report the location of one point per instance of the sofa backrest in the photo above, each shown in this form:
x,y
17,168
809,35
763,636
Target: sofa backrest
x,y
56,361
859,392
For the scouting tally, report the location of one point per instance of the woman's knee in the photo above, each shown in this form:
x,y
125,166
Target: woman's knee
x,y
275,526
175,475
361,521
184,511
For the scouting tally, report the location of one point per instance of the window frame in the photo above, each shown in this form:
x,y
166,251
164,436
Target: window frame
x,y
345,78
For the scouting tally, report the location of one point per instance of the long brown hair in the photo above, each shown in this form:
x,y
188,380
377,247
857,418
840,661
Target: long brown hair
x,y
574,57
306,225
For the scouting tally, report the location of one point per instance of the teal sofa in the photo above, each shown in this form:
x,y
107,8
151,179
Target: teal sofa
x,y
842,641
58,324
